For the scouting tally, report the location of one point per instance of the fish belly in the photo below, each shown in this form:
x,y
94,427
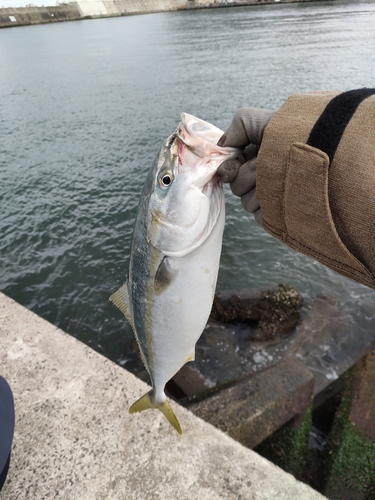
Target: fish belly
x,y
180,313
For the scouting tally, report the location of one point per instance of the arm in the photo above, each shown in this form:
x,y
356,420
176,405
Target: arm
x,y
316,198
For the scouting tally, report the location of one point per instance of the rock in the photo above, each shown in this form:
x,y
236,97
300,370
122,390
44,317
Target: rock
x,y
275,311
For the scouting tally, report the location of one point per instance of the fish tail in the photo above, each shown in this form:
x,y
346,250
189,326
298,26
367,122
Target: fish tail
x,y
146,402
167,411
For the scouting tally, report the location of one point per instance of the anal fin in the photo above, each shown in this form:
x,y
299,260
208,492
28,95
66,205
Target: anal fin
x,y
191,356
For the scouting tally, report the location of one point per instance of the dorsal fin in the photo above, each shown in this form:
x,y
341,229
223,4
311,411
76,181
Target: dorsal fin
x,y
121,299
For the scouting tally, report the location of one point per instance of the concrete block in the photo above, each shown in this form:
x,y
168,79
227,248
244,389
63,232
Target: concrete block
x,y
74,438
349,463
251,408
362,412
288,446
92,8
111,7
190,380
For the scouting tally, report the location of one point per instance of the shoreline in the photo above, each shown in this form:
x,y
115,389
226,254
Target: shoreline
x,y
98,9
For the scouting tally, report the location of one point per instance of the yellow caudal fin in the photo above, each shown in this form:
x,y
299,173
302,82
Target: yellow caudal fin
x,y
167,411
145,402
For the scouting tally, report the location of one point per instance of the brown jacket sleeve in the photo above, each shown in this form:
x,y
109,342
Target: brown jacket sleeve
x,y
317,198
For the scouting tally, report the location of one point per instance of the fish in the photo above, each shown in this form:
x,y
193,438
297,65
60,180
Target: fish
x,y
175,255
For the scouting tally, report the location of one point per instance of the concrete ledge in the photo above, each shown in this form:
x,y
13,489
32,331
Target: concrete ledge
x,y
74,438
258,404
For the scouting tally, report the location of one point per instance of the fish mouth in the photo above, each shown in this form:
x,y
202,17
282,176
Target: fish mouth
x,y
201,166
198,151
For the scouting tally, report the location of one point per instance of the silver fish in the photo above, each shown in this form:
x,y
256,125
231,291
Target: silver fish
x,y
175,255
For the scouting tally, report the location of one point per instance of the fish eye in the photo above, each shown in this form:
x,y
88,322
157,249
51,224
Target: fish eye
x,y
166,180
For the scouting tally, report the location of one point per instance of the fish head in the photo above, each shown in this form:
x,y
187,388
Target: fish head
x,y
187,197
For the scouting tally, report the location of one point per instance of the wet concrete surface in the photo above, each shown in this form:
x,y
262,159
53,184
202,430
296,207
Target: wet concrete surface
x,y
253,407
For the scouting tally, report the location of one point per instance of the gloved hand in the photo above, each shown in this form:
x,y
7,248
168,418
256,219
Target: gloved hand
x,y
245,132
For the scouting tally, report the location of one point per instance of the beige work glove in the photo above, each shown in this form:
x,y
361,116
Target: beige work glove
x,y
245,132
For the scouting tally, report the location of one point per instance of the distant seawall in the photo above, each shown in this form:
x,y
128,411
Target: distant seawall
x,y
85,9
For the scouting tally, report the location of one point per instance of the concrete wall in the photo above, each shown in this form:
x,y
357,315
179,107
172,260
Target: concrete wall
x,y
10,17
36,15
84,9
100,8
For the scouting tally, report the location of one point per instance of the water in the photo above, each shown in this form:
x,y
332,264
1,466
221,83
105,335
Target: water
x,y
85,106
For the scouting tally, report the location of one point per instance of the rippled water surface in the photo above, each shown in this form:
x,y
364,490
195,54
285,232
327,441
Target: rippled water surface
x,y
84,108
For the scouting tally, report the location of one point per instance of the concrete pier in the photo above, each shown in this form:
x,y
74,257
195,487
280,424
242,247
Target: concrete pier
x,y
74,438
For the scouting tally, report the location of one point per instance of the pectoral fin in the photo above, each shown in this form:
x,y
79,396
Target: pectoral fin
x,y
165,275
121,299
146,402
